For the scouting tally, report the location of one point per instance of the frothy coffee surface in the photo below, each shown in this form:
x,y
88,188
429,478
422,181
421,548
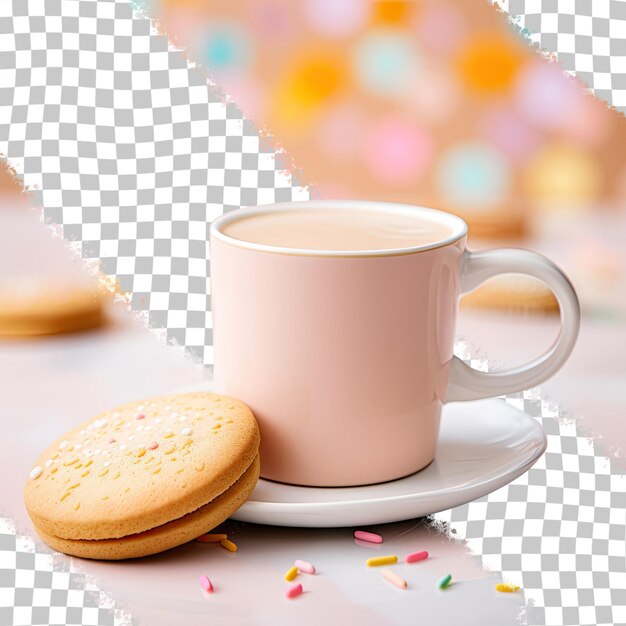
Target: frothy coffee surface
x,y
339,230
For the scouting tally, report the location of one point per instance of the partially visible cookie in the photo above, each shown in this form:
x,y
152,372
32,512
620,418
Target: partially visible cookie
x,y
145,466
513,292
40,309
44,289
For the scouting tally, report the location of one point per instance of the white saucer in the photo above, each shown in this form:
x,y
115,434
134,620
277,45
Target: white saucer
x,y
483,445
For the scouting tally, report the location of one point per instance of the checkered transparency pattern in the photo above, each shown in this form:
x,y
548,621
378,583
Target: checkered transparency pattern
x,y
40,587
558,531
587,36
131,150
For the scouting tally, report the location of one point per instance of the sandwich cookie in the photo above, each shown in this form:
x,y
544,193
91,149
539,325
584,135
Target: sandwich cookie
x,y
145,477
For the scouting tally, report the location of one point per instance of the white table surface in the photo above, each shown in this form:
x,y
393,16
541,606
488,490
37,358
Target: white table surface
x,y
51,384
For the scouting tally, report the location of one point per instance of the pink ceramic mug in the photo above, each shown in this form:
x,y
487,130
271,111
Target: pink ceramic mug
x,y
347,357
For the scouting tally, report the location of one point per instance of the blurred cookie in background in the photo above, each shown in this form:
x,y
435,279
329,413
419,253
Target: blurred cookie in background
x,y
44,290
512,292
30,308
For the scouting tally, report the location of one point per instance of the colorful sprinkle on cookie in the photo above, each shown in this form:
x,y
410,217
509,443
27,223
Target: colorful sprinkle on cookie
x,y
36,472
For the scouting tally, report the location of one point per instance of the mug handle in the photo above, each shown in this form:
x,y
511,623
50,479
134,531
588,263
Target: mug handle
x,y
466,383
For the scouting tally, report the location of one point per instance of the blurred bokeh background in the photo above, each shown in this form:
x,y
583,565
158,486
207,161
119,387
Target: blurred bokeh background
x,y
435,102
440,103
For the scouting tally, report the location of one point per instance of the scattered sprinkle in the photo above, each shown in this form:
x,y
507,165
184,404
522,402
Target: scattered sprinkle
x,y
112,440
48,463
107,463
305,566
123,447
77,506
153,445
394,579
291,573
36,472
416,556
506,588
363,535
168,434
140,408
211,538
67,493
205,583
78,446
141,416
71,462
444,583
64,444
100,423
138,452
229,545
382,560
294,591
186,432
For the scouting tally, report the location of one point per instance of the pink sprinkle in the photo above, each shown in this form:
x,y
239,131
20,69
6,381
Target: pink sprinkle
x,y
394,579
153,445
294,591
112,440
140,416
369,537
305,566
416,556
205,583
